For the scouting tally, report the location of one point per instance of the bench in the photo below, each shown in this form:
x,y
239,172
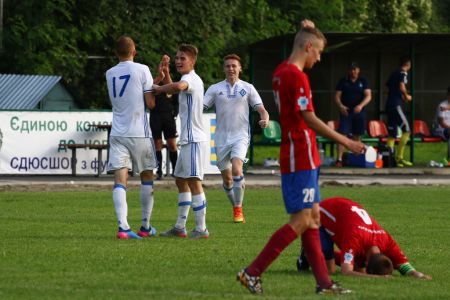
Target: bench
x,y
74,147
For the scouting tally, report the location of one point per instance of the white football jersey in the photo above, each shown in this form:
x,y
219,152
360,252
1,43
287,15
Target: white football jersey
x,y
191,110
127,82
232,110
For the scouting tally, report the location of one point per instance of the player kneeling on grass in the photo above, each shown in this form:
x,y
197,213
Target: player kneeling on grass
x,y
366,249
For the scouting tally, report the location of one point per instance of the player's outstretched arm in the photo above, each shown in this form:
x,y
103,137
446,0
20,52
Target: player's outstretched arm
x,y
171,88
322,129
347,269
419,275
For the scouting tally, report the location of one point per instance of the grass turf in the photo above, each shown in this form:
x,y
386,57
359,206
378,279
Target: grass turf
x,y
423,153
58,245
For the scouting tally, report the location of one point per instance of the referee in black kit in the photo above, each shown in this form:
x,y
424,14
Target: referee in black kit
x,y
163,119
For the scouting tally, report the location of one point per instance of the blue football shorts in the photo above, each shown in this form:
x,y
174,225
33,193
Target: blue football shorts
x,y
327,244
300,190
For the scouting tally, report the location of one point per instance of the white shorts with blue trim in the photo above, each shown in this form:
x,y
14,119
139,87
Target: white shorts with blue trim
x,y
131,152
225,153
300,190
190,160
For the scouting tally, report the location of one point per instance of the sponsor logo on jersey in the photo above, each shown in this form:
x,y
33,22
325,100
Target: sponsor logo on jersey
x,y
303,102
348,257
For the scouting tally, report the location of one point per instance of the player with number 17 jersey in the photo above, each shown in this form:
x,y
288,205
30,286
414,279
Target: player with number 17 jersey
x,y
127,82
298,149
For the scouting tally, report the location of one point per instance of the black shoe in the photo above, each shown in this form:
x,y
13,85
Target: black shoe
x,y
302,262
159,175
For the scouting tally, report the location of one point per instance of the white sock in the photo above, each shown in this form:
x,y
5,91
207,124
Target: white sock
x,y
184,204
120,204
238,190
230,194
146,202
199,208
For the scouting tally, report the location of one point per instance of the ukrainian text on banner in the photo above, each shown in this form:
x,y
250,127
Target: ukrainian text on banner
x,y
29,141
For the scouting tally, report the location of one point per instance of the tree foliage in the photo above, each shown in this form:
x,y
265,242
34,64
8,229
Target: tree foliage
x,y
75,38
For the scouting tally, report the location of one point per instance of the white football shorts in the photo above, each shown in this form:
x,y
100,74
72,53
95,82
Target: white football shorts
x,y
135,152
225,153
190,161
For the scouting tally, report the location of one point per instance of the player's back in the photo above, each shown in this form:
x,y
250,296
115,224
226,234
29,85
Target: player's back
x,y
298,142
341,216
190,103
393,84
127,82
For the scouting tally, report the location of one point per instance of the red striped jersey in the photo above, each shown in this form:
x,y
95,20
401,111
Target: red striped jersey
x,y
292,94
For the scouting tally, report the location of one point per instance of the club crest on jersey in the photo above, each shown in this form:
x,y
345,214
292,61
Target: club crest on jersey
x,y
242,92
348,257
303,102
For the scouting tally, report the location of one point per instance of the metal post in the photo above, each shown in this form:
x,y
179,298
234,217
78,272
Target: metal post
x,y
1,26
413,101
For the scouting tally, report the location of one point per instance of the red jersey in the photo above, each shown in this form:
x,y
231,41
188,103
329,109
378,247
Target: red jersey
x,y
354,231
292,93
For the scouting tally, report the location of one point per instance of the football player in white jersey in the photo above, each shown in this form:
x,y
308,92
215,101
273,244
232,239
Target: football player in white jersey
x,y
129,89
232,98
193,144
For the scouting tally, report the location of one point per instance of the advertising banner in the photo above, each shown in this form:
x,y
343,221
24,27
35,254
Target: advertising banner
x,y
29,142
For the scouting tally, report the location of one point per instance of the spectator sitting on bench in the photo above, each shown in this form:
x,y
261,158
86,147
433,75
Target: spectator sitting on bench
x,y
443,121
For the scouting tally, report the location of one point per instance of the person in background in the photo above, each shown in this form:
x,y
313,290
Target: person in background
x,y
397,94
352,96
443,121
163,119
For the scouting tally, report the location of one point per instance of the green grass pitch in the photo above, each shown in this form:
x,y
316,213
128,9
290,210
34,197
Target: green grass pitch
x,y
62,245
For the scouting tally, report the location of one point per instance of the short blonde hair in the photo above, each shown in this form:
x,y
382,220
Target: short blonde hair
x,y
307,34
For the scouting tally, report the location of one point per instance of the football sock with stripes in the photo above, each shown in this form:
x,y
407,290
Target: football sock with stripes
x,y
282,238
238,190
230,194
313,252
146,195
184,204
199,208
120,205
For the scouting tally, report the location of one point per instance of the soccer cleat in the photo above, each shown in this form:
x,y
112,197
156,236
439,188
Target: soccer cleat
x,y
238,215
334,289
127,234
143,232
403,163
302,262
174,232
195,234
252,283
